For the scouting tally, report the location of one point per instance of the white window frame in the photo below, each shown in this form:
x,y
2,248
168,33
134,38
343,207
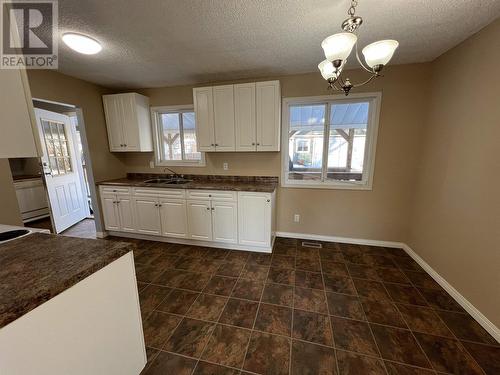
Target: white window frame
x,y
158,144
374,98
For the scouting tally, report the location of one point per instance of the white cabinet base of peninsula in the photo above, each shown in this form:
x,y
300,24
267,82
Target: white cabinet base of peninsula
x,y
94,327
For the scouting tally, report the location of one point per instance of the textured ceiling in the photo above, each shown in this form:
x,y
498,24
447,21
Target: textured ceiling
x,y
154,43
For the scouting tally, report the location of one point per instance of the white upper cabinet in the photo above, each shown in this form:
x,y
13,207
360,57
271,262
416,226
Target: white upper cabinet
x,y
204,110
244,112
17,116
243,117
224,118
268,99
128,121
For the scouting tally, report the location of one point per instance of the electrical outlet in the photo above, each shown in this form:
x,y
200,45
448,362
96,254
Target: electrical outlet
x,y
225,166
296,218
151,164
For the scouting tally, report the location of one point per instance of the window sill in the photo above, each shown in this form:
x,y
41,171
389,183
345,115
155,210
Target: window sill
x,y
328,186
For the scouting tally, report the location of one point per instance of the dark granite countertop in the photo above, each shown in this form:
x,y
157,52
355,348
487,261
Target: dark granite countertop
x,y
201,182
36,268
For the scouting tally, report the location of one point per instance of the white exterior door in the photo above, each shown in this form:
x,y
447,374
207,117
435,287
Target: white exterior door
x,y
67,201
268,115
225,221
199,220
126,213
224,118
173,218
147,216
244,114
204,111
254,218
110,212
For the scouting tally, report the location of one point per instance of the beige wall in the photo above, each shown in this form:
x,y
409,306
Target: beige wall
x,y
456,220
9,209
378,214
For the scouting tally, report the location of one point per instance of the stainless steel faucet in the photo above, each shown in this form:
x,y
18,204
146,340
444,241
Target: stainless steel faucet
x,y
173,172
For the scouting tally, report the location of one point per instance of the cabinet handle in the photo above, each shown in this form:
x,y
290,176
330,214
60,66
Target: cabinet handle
x,y
208,208
216,144
213,208
159,205
209,195
253,143
269,200
124,145
117,202
212,144
258,144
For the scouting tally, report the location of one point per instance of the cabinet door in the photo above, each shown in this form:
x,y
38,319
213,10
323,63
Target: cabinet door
x,y
224,118
204,110
147,216
225,221
114,121
244,114
173,218
254,219
199,220
126,214
268,115
110,212
131,140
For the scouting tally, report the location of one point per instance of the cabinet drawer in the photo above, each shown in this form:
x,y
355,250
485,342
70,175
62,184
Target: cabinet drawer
x,y
160,193
115,189
212,194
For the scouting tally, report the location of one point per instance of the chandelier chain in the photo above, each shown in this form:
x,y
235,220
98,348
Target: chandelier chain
x,y
352,8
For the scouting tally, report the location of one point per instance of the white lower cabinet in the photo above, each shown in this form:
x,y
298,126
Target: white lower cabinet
x,y
126,213
110,212
148,215
173,217
199,215
118,212
255,218
224,221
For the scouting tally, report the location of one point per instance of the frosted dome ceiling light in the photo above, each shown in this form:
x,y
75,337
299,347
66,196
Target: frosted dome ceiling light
x,y
82,43
338,47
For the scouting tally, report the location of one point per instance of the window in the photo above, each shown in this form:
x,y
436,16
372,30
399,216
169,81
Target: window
x,y
329,142
175,136
54,134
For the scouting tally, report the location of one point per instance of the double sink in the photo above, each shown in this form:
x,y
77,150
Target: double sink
x,y
168,181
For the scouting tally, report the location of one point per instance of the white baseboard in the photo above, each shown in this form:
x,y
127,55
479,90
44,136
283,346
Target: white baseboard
x,y
491,328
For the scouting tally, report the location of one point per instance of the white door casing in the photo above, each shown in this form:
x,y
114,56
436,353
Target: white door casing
x,y
67,202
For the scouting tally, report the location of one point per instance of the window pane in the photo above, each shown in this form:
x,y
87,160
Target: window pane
x,y
347,141
305,142
190,150
171,136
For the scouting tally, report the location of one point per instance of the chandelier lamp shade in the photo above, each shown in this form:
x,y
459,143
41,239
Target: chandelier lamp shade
x,y
338,47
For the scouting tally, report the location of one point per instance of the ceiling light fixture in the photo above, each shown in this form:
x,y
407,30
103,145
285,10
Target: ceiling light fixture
x,y
339,46
82,43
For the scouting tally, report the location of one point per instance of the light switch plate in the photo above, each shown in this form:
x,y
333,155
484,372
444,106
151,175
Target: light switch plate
x,y
296,218
225,166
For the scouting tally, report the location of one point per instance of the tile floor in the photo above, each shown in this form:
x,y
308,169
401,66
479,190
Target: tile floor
x,y
342,309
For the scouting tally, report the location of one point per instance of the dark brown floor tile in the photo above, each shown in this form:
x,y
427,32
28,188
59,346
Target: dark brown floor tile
x,y
141,286
310,300
353,335
237,257
334,268
268,354
167,363
283,261
248,289
307,264
422,280
405,294
274,319
255,272
311,359
399,369
194,251
399,345
441,300
158,327
381,260
171,277
396,251
147,273
331,255
150,355
260,259
339,284
488,357
207,307
383,312
371,289
407,263
239,313
425,320
190,337
278,294
345,306
151,297
392,275
178,301
284,249
200,265
466,328
330,245
230,269
217,254
220,285
355,364
183,279
281,276
312,327
205,368
307,279
308,253
285,241
447,355
363,272
227,346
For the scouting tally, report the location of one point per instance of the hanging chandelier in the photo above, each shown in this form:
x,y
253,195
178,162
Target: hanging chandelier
x,y
339,46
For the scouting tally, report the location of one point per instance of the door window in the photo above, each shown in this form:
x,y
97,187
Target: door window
x,y
54,134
